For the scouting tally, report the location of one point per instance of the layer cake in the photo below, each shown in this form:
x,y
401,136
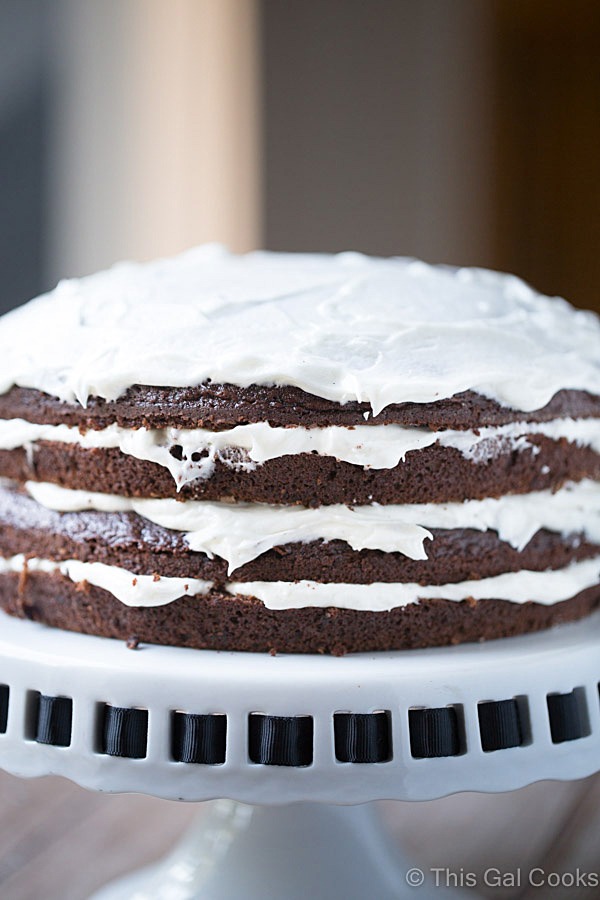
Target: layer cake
x,y
299,453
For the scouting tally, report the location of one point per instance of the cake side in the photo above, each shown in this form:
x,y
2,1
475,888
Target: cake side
x,y
264,566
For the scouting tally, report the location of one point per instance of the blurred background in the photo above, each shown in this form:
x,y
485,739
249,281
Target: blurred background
x,y
460,131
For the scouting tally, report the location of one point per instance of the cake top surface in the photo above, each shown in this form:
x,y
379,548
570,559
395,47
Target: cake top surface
x,y
343,327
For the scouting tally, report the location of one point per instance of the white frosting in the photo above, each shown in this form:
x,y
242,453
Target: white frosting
x,y
376,447
145,590
130,589
239,532
548,588
344,327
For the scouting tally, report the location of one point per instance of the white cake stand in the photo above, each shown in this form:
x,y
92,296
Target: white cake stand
x,y
274,735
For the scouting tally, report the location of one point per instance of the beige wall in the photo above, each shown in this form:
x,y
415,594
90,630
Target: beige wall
x,y
296,124
462,131
378,127
156,144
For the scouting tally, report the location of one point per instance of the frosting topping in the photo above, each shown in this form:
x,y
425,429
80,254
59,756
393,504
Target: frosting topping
x,y
345,327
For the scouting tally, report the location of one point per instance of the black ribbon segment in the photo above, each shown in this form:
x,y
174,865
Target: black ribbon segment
x,y
199,738
499,725
433,732
125,732
362,737
54,720
280,740
566,717
4,695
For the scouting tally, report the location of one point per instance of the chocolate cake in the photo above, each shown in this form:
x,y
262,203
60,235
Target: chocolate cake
x,y
299,453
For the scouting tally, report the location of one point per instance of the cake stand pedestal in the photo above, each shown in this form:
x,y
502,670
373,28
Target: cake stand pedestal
x,y
277,733
240,852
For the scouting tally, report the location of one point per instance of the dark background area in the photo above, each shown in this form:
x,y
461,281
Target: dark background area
x,y
464,132
24,107
547,145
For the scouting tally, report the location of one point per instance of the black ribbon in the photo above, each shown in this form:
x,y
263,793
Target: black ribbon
x,y
4,695
288,740
499,725
280,740
362,737
199,738
433,732
125,732
54,720
566,719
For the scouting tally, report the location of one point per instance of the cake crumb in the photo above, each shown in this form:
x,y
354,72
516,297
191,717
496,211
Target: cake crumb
x,y
132,642
22,582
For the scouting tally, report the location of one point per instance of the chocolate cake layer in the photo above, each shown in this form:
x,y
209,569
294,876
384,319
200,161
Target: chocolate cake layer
x,y
220,406
132,543
223,622
434,474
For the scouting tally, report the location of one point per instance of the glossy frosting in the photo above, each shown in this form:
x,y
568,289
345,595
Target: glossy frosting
x,y
344,327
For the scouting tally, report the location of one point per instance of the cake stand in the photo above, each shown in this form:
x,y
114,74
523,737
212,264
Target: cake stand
x,y
295,744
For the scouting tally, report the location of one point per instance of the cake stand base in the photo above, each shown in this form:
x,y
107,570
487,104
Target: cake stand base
x,y
110,719
302,850
550,679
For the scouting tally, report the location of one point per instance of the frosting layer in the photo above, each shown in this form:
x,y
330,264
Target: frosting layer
x,y
545,588
135,544
129,588
189,454
344,327
239,532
